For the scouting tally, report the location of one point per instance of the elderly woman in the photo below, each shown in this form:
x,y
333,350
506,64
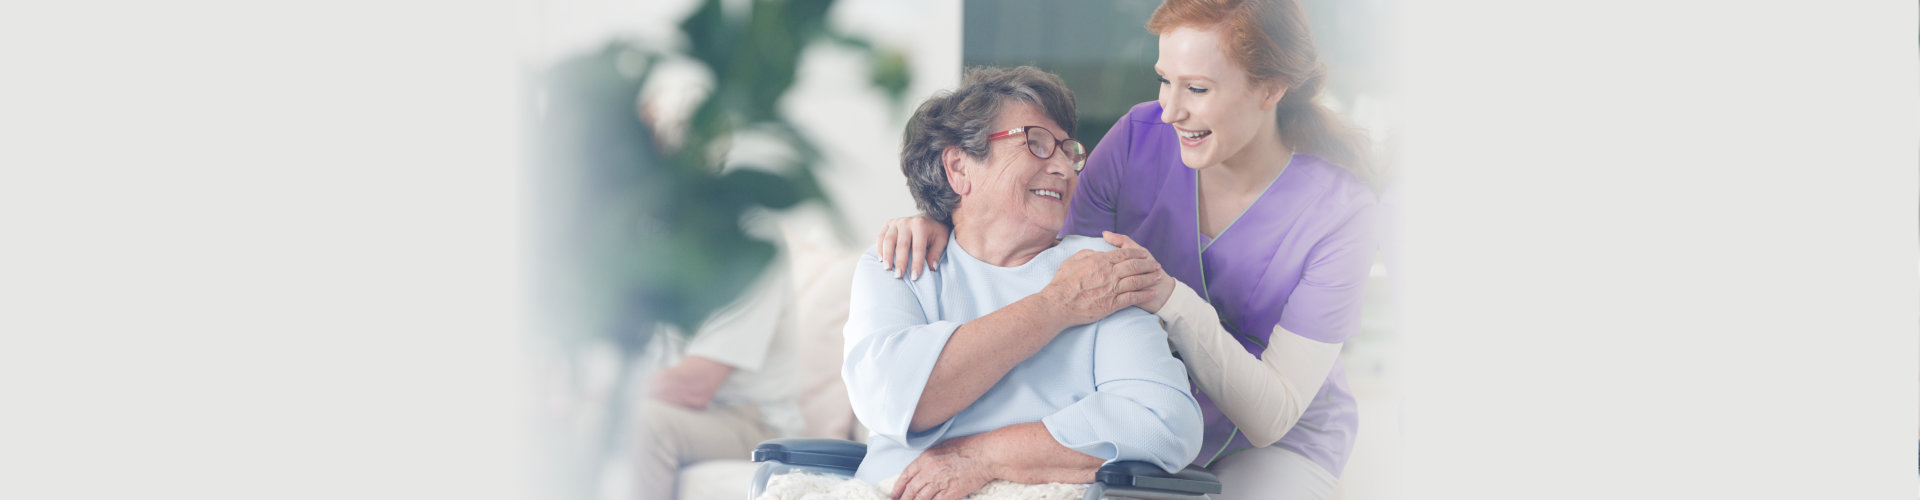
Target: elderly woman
x,y
1001,339
1253,196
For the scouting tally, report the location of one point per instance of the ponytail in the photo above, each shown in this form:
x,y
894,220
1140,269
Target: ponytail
x,y
1309,127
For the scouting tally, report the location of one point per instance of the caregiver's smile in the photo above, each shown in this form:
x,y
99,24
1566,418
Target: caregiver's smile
x,y
1215,107
1192,139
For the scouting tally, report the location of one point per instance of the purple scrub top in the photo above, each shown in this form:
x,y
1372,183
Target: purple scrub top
x,y
1298,258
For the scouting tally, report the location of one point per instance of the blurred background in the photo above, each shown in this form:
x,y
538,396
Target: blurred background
x,y
689,154
272,250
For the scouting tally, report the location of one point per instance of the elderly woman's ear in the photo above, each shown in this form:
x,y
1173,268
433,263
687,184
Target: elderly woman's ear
x,y
952,159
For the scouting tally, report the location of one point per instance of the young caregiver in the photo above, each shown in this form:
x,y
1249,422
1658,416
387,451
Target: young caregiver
x,y
1244,190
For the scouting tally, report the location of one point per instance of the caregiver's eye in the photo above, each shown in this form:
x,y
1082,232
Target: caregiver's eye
x,y
1197,90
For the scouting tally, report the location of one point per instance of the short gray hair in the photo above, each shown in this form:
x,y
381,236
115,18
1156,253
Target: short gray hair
x,y
961,117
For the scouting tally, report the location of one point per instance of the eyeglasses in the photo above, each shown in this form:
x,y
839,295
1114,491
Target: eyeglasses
x,y
1042,144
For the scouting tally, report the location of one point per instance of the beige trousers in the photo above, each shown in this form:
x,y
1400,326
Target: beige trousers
x,y
671,436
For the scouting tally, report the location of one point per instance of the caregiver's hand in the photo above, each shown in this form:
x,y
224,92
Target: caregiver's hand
x,y
1161,289
1093,285
947,471
916,237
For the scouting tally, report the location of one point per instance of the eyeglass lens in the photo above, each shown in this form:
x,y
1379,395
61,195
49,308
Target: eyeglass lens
x,y
1042,143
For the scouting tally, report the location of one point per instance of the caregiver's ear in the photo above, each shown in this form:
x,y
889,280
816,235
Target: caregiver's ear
x,y
1272,94
952,160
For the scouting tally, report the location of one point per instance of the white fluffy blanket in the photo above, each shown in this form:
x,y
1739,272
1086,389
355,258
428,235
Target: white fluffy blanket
x,y
810,486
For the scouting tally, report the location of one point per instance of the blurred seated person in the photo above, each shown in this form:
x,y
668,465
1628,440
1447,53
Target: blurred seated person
x,y
996,364
721,392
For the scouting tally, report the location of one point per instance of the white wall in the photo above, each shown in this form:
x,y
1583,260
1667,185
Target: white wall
x,y
860,131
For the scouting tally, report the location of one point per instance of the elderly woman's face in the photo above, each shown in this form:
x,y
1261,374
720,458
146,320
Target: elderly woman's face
x,y
1014,187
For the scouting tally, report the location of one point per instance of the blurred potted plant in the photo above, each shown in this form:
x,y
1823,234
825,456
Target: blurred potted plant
x,y
635,233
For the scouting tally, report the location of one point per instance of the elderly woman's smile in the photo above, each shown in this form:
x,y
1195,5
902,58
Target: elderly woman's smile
x,y
997,162
998,342
1014,195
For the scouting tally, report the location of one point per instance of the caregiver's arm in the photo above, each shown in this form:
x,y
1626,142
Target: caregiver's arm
x,y
1266,396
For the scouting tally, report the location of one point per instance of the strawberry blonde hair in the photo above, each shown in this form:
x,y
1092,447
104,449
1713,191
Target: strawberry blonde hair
x,y
1271,41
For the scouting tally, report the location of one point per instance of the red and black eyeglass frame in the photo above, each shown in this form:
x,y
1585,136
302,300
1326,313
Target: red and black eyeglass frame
x,y
1076,152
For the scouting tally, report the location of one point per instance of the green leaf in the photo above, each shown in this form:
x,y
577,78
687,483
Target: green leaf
x,y
769,190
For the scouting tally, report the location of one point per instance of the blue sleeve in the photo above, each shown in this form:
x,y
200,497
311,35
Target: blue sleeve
x,y
1141,407
1093,208
890,351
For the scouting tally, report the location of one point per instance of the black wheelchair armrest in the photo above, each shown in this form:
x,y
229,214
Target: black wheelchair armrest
x,y
1136,476
837,454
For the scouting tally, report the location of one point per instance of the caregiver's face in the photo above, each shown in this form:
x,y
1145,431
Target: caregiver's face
x,y
1015,187
1213,107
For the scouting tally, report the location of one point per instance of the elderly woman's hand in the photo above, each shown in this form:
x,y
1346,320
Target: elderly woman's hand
x,y
919,238
1093,285
948,471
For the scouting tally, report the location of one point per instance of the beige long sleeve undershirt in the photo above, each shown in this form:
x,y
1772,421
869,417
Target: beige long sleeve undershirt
x,y
1264,396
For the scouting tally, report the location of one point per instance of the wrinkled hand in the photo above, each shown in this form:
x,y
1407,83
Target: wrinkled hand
x,y
1161,290
691,383
916,237
1093,285
948,471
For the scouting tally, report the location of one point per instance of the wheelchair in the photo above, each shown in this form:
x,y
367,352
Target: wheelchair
x,y
839,457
